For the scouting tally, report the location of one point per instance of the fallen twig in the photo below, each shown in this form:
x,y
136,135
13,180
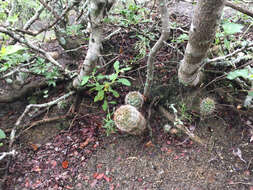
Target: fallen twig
x,y
182,127
27,109
46,120
4,154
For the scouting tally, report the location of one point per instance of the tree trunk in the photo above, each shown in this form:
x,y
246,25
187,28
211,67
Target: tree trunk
x,y
202,33
97,11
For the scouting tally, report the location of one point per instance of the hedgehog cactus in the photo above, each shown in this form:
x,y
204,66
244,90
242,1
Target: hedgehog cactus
x,y
207,106
128,119
134,99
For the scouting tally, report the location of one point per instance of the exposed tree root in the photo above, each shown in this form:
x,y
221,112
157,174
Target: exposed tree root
x,y
26,90
182,127
46,120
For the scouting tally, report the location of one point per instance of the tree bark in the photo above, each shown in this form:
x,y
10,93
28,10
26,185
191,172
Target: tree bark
x,y
98,10
202,33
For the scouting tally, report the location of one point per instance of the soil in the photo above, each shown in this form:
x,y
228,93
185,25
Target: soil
x,y
77,154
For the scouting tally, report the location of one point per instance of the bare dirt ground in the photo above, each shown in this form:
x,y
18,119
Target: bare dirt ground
x,y
76,154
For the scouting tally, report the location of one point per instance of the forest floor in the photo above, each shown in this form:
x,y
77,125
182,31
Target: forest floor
x,y
77,154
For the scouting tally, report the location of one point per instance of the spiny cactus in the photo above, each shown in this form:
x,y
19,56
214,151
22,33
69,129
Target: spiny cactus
x,y
135,99
128,119
207,106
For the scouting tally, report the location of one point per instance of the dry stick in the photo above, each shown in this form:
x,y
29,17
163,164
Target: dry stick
x,y
182,127
157,46
46,120
239,8
222,76
27,109
34,18
31,33
4,154
49,8
229,55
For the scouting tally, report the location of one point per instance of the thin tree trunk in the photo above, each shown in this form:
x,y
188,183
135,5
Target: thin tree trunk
x,y
164,36
202,33
98,10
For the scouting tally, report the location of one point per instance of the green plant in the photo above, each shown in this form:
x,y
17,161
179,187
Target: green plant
x,y
183,112
109,124
103,84
247,74
2,136
135,99
48,70
226,36
133,14
128,119
207,106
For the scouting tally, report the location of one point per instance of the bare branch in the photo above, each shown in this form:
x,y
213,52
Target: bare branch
x,y
27,109
4,154
50,9
229,55
34,18
239,8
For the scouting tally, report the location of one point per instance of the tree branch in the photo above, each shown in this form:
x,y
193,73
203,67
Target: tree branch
x,y
239,8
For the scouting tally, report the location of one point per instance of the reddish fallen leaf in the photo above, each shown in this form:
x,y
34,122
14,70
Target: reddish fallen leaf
x,y
85,143
34,147
176,157
100,176
95,175
108,179
169,151
149,144
65,164
121,50
168,142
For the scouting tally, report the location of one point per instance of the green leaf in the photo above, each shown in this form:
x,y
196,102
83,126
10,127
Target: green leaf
x,y
125,69
113,76
124,82
112,102
116,66
250,93
105,105
100,96
2,134
85,80
115,93
11,49
99,87
238,73
232,28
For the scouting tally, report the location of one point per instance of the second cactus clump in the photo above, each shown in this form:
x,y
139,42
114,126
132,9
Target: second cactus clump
x,y
207,106
135,99
128,119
